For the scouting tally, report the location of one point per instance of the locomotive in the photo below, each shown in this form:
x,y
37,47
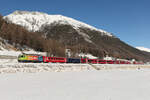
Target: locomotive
x,y
34,58
30,58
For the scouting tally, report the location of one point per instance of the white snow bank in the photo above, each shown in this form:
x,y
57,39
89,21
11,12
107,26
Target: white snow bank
x,y
42,67
6,61
15,67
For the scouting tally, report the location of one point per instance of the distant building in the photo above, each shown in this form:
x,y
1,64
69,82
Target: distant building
x,y
68,52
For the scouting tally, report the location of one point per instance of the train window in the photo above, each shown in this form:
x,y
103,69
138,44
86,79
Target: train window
x,y
101,60
109,61
21,56
89,60
59,58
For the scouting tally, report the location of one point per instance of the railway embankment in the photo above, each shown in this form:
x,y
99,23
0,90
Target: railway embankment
x,y
57,67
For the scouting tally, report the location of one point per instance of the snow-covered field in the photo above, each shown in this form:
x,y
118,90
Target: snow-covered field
x,y
86,85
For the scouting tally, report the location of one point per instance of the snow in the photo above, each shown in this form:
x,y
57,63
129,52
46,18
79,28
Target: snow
x,y
86,36
16,53
12,66
33,21
7,49
90,56
87,85
143,49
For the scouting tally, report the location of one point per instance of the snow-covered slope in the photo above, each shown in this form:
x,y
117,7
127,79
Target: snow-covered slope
x,y
5,46
33,21
7,49
143,49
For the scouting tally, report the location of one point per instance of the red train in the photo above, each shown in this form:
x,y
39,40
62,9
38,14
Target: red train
x,y
45,59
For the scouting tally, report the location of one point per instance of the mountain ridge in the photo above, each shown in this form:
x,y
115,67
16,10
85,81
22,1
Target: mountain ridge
x,y
33,21
56,36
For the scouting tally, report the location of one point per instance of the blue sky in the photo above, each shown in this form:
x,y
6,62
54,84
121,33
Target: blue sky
x,y
127,19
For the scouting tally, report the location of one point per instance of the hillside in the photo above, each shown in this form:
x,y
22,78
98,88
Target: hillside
x,y
55,33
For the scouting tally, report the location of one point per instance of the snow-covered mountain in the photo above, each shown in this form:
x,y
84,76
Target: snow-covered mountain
x,y
58,32
143,49
33,21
